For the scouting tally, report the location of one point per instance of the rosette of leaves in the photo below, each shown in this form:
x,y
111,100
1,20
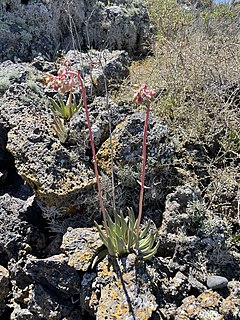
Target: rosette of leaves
x,y
63,112
63,109
121,237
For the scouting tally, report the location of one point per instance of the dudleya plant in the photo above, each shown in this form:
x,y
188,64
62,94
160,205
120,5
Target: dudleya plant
x,y
121,233
64,83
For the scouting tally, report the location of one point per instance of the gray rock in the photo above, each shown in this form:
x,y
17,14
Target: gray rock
x,y
6,161
184,210
100,68
55,274
14,229
216,282
10,73
177,288
127,158
99,117
117,287
61,177
42,27
128,141
50,286
5,287
80,245
41,304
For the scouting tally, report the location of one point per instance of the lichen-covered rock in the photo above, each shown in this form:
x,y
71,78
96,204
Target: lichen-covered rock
x,y
127,140
121,290
100,68
231,305
5,287
35,302
56,175
44,288
11,73
99,117
211,305
177,210
39,27
183,217
55,274
80,245
59,175
127,144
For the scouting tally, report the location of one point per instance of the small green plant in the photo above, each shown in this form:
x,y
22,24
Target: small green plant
x,y
60,129
121,236
64,83
64,110
168,17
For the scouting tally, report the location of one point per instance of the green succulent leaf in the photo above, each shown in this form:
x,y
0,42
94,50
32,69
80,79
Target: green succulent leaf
x,y
61,109
151,252
121,236
146,242
145,230
60,129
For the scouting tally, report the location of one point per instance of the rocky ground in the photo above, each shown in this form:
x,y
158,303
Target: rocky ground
x,y
48,198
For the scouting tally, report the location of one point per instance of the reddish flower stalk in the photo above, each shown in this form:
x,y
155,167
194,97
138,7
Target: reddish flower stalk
x,y
81,84
144,161
143,96
66,80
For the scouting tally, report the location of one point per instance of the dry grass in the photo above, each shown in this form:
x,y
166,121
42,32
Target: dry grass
x,y
196,60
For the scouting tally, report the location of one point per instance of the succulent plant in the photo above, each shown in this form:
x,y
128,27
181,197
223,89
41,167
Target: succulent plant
x,y
65,110
121,237
60,129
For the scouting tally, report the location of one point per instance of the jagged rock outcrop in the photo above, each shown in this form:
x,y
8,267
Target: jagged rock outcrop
x,y
44,27
44,289
58,173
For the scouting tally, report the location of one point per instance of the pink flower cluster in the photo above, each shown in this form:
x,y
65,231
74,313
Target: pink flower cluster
x,y
63,82
143,95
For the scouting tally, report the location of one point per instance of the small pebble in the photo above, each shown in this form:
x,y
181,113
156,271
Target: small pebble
x,y
216,282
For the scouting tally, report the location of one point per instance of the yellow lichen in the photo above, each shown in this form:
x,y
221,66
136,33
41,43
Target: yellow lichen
x,y
209,299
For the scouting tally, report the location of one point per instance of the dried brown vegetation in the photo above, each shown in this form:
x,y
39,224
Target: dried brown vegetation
x,y
195,63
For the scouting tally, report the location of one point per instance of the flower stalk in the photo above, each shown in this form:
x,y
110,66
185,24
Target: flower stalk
x,y
67,80
143,96
144,161
121,235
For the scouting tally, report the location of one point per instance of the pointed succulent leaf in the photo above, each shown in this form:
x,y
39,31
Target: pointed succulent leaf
x,y
118,223
132,219
124,227
111,248
60,129
145,230
102,235
116,218
144,243
152,252
111,224
121,248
